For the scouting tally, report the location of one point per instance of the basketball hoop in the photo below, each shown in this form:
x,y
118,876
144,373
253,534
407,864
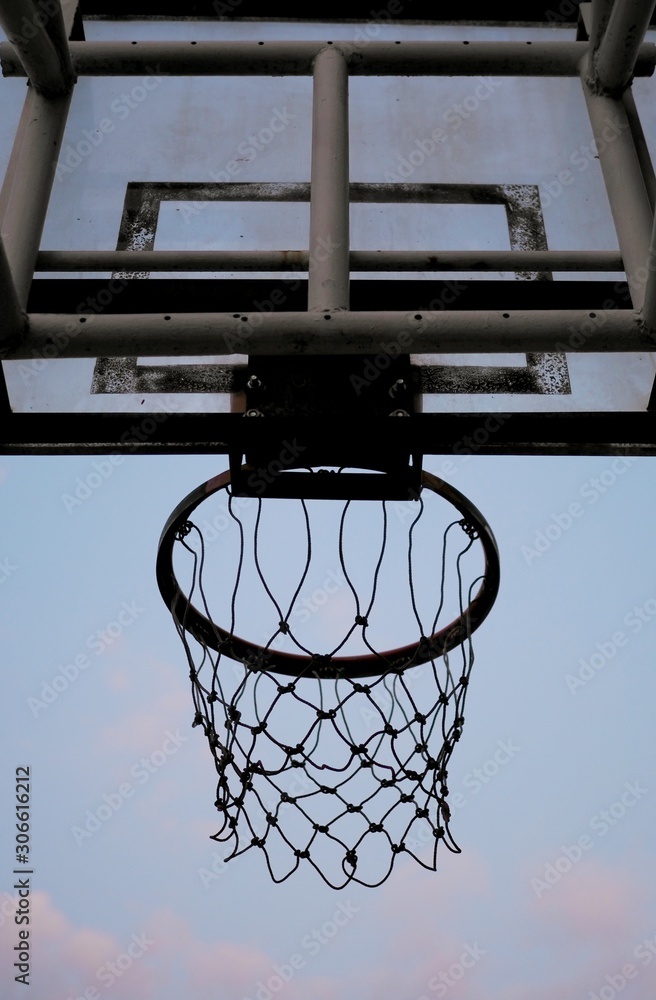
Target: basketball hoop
x,y
328,754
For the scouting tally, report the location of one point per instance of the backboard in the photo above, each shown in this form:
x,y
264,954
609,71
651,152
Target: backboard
x,y
430,206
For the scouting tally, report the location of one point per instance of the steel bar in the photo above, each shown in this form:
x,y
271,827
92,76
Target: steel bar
x,y
640,143
328,286
12,321
621,43
38,37
359,260
26,200
649,302
625,185
341,332
297,58
599,14
484,433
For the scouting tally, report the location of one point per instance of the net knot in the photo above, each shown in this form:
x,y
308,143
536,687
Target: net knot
x,y
284,627
468,529
361,620
320,664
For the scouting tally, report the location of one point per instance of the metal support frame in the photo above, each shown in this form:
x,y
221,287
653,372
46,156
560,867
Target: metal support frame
x,y
281,58
359,260
641,147
27,188
620,44
328,326
599,14
625,184
649,302
329,185
312,333
13,320
39,38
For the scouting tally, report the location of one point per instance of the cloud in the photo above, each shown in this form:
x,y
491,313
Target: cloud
x,y
67,961
161,960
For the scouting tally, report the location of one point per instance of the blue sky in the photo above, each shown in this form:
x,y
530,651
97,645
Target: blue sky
x,y
572,773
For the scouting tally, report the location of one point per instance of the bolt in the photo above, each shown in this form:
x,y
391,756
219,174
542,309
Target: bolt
x,y
254,413
399,413
253,383
397,387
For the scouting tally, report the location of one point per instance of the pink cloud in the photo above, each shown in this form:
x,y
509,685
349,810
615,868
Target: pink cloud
x,y
67,961
595,902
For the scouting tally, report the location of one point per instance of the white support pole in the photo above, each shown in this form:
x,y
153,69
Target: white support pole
x,y
649,302
313,333
640,143
360,260
618,50
328,286
625,185
39,38
27,188
12,320
599,14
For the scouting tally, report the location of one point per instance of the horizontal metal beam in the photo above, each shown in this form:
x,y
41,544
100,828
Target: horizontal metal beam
x,y
485,433
359,260
38,37
297,58
305,334
619,47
